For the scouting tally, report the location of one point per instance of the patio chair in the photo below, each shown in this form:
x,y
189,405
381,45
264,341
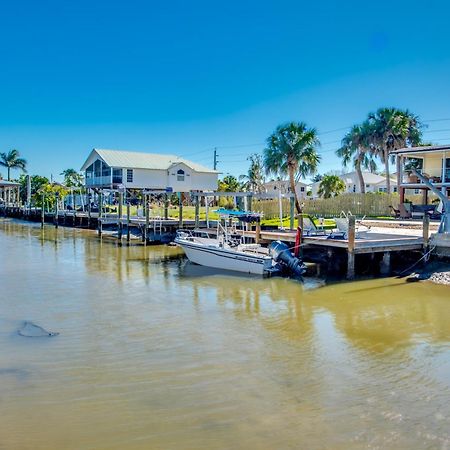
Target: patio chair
x,y
404,213
310,228
342,227
395,211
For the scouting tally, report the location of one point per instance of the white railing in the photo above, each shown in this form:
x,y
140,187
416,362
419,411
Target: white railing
x,y
98,181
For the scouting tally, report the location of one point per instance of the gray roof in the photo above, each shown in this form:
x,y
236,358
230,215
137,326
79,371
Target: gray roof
x,y
421,149
8,183
139,160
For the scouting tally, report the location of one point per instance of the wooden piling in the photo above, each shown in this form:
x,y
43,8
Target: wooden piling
x,y
385,265
351,248
147,218
100,221
197,211
128,222
166,207
120,223
43,210
258,232
180,210
291,212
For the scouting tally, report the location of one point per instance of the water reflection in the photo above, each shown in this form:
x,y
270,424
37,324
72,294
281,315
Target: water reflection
x,y
154,352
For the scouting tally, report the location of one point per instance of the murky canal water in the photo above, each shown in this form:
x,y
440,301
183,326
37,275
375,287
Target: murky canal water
x,y
154,353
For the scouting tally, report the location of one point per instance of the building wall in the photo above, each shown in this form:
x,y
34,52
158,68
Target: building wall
x,y
161,179
274,187
432,165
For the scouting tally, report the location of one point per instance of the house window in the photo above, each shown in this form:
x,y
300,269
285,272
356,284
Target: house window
x,y
302,189
354,188
395,189
117,176
367,186
180,175
129,175
416,191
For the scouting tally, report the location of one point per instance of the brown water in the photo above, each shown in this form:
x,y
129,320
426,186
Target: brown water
x,y
154,353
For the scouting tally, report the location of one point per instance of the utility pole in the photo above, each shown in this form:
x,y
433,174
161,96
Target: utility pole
x,y
215,158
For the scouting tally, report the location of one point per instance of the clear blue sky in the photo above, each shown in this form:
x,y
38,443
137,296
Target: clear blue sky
x,y
183,77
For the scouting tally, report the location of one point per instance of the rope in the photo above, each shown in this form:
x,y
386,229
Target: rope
x,y
418,261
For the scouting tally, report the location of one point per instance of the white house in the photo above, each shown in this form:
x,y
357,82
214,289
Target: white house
x,y
134,170
373,183
274,187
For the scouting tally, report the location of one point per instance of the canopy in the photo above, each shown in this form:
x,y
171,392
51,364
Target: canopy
x,y
243,216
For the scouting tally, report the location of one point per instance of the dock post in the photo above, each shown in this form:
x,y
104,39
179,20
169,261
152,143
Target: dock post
x,y
42,210
100,222
351,248
166,207
197,211
120,223
426,230
55,221
385,266
291,212
258,232
147,218
180,210
128,222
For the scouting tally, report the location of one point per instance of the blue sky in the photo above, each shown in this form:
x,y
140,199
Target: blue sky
x,y
185,77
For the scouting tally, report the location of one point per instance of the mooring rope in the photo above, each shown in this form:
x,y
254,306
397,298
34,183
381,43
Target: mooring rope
x,y
418,261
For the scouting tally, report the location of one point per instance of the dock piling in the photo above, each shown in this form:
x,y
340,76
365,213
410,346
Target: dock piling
x,y
351,248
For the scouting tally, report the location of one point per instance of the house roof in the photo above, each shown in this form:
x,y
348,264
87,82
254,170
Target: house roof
x,y
369,177
138,160
8,183
421,149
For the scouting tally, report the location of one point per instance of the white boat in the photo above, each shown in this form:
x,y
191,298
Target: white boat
x,y
225,251
217,253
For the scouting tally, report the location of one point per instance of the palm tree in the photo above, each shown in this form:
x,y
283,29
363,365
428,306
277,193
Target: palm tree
x,y
330,186
229,184
11,160
291,151
391,129
72,178
355,148
254,179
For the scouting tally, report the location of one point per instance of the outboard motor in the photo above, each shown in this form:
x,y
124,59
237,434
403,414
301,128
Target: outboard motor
x,y
282,255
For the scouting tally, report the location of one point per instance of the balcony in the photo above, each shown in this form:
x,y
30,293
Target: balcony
x,y
98,181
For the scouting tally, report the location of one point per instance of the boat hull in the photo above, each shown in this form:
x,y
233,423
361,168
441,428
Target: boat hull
x,y
220,258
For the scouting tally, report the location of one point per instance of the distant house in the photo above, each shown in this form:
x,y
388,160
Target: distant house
x,y
431,161
9,192
372,181
275,187
134,170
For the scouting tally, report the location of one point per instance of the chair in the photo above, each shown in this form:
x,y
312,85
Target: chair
x,y
404,213
310,228
395,211
342,225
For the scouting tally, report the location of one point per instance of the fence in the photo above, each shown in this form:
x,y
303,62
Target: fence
x,y
370,204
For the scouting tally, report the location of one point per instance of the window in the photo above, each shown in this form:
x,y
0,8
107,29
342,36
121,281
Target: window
x,y
180,175
117,176
367,186
302,189
129,175
416,191
395,188
354,188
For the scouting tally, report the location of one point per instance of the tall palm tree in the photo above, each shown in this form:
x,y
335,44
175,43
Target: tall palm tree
x,y
254,179
292,150
72,178
355,148
11,160
391,129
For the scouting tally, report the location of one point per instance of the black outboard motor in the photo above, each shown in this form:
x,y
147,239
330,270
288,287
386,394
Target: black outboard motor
x,y
282,255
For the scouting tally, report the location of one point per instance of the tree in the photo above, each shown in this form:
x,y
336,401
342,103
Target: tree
x,y
355,149
291,151
72,178
229,184
330,186
391,129
12,160
254,179
36,181
317,177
